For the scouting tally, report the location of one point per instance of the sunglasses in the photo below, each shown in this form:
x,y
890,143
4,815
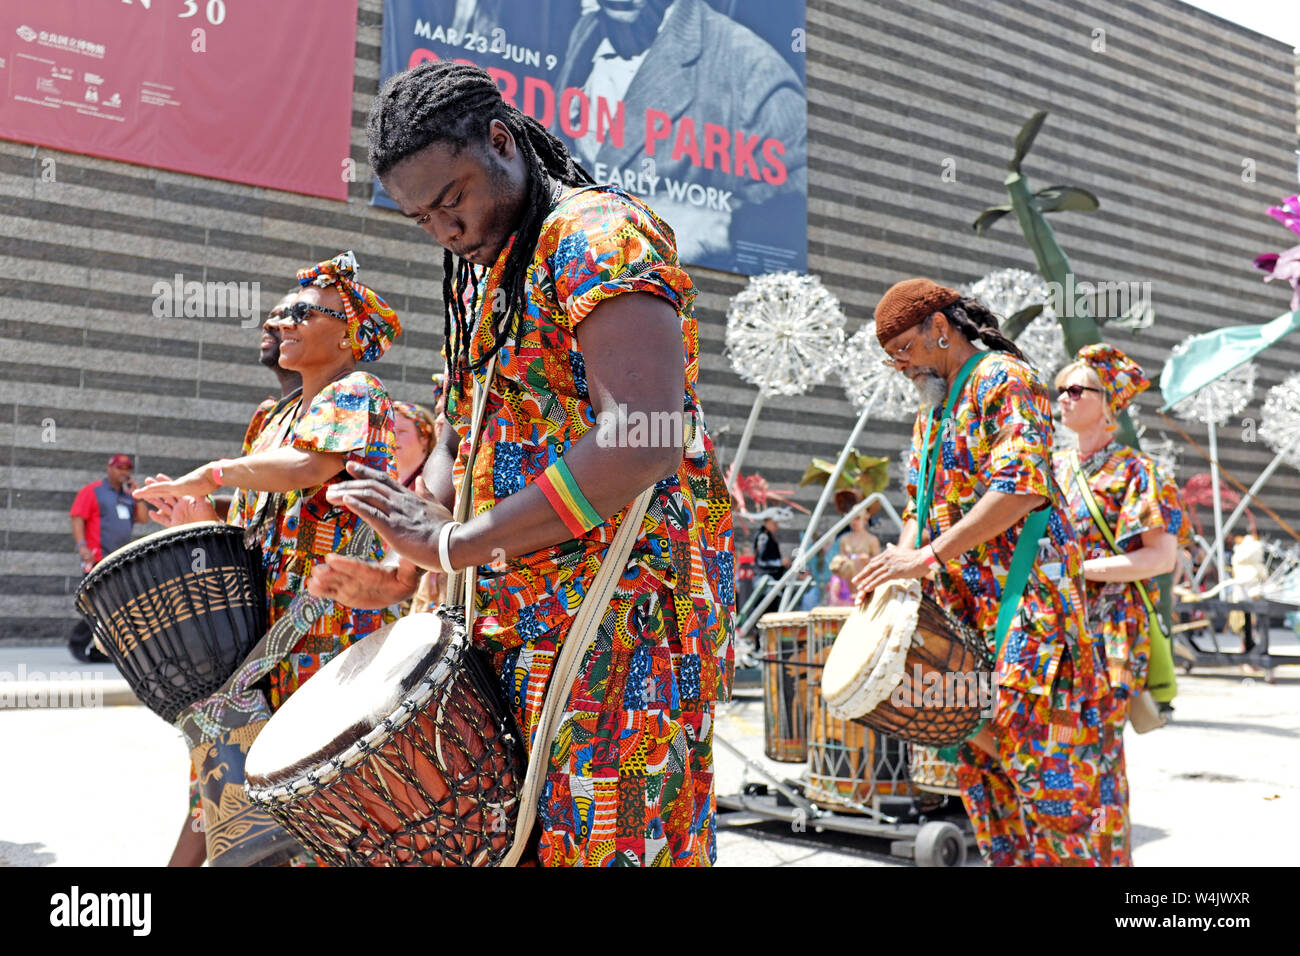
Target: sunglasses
x,y
1076,391
299,312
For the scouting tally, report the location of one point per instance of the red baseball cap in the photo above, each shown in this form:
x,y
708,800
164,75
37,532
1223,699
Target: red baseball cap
x,y
121,461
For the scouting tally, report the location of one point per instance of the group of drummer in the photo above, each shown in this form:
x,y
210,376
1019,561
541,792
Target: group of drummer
x,y
1044,781
573,292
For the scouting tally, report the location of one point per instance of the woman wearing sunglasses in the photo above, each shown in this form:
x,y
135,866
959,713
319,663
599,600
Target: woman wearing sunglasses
x,y
1143,514
341,415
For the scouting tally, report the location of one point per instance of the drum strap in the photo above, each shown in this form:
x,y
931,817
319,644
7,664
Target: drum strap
x,y
582,634
1154,626
930,453
1022,562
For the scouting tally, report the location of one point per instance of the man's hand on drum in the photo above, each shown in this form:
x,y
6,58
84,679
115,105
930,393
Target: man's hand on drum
x,y
891,564
353,582
408,522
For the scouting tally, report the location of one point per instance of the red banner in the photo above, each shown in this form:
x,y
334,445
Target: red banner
x,y
244,90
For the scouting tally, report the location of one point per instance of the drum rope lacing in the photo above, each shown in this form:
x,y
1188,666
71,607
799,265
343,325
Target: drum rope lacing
x,y
483,772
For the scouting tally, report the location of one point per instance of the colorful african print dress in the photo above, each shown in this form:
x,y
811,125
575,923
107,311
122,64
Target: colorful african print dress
x,y
1134,496
353,417
630,777
1033,804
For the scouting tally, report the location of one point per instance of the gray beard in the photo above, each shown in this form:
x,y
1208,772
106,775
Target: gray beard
x,y
932,389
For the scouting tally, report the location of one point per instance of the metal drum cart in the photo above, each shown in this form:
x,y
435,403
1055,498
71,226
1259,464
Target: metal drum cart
x,y
856,779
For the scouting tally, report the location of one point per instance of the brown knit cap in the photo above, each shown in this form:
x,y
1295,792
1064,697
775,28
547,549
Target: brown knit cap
x,y
909,303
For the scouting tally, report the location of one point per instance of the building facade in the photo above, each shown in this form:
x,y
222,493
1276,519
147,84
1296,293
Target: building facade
x,y
1182,124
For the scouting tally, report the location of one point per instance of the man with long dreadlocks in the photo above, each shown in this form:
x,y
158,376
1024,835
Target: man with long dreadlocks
x,y
576,290
979,480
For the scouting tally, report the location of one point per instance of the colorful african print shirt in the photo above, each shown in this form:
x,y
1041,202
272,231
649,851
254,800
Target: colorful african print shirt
x,y
1000,439
352,416
1134,496
598,242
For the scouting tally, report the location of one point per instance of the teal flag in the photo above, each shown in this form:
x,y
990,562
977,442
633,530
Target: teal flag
x,y
1217,353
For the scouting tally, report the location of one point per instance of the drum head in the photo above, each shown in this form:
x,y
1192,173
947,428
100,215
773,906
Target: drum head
x,y
347,698
132,548
867,659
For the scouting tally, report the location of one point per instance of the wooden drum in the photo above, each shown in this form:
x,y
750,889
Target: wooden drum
x,y
783,641
848,764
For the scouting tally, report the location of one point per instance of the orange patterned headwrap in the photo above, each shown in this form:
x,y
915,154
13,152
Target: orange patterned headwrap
x,y
372,324
1121,377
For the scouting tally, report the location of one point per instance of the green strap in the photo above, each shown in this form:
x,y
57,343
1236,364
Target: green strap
x,y
1099,520
1022,559
925,484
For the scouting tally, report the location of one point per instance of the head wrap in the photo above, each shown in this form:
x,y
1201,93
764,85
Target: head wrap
x,y
1121,377
422,418
372,324
121,461
908,303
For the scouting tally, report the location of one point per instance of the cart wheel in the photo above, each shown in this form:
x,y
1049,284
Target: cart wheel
x,y
939,843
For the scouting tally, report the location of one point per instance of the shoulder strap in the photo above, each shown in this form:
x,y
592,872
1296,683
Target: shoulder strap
x,y
461,584
1022,560
1098,519
930,453
581,636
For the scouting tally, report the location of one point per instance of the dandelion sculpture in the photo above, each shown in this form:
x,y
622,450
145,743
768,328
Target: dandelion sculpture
x,y
1279,428
874,388
1023,301
784,334
1212,405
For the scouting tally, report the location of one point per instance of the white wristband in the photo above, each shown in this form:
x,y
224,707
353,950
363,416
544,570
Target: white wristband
x,y
444,545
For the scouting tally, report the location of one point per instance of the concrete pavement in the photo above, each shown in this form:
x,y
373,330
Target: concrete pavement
x,y
105,784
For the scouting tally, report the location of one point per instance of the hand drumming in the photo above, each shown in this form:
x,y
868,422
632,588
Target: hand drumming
x,y
891,564
408,522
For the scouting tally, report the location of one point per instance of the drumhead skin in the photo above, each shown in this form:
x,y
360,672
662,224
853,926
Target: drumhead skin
x,y
869,655
177,611
133,548
347,698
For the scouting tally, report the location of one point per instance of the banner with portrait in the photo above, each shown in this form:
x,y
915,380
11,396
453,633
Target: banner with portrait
x,y
696,106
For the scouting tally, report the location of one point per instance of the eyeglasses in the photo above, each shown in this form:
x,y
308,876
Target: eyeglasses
x,y
893,360
1076,391
298,312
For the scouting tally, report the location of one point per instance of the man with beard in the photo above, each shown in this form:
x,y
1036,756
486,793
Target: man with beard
x,y
191,848
1031,777
574,291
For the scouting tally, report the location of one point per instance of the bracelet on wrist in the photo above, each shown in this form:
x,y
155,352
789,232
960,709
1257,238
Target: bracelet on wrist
x,y
933,558
216,469
444,546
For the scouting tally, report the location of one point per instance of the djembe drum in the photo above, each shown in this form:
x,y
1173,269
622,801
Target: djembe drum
x,y
177,611
396,753
930,772
907,667
783,640
848,764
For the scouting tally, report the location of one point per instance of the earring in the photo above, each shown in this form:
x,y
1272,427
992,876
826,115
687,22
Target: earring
x,y
943,342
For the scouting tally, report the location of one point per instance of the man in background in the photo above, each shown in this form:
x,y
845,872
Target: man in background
x,y
103,516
